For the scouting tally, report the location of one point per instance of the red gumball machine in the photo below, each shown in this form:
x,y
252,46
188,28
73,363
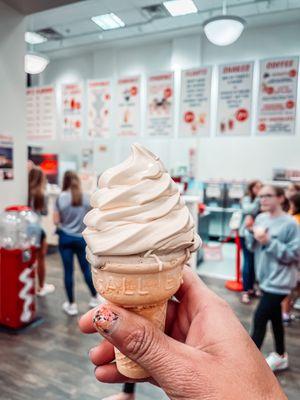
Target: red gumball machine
x,y
19,237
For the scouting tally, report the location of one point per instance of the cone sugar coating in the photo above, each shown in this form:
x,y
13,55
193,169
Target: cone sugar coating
x,y
142,285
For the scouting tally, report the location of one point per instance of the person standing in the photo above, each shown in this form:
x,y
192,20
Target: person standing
x,y
37,201
250,207
287,303
70,209
292,189
275,240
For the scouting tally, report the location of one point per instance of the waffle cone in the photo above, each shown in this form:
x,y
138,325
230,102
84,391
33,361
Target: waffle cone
x,y
142,285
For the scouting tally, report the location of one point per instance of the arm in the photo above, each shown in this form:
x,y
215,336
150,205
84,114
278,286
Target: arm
x,y
251,242
250,207
44,211
56,214
286,252
56,218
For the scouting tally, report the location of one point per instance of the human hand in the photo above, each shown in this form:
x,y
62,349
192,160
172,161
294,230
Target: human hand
x,y
261,235
208,355
249,222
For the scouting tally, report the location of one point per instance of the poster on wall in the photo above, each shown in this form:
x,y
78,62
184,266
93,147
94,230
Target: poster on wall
x,y
235,99
41,113
99,94
277,97
160,104
128,106
72,105
195,102
87,158
6,157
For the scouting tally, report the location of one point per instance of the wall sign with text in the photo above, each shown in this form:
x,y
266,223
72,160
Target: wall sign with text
x,y
195,102
277,98
128,106
99,96
41,113
235,99
72,110
160,104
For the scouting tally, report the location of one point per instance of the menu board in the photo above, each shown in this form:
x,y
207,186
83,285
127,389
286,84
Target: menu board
x,y
6,157
99,94
277,98
128,106
160,104
234,99
195,102
72,113
41,113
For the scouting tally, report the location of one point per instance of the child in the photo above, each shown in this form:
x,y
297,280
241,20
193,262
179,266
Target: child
x,y
274,238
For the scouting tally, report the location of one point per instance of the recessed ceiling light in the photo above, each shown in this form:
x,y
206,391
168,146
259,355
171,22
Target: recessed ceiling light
x,y
108,21
180,7
34,38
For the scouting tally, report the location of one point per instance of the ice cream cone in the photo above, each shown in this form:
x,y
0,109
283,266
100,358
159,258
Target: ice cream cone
x,y
142,284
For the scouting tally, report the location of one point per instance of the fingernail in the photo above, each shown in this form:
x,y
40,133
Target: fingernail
x,y
105,320
90,352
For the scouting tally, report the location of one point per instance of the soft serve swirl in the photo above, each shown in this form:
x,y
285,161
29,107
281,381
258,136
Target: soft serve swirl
x,y
138,208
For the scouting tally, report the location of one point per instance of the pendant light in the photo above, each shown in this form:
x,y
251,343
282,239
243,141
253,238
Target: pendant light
x,y
225,29
35,62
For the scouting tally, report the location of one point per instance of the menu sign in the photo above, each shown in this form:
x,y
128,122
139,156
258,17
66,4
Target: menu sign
x,y
234,99
128,106
195,102
40,113
277,98
72,104
99,108
160,104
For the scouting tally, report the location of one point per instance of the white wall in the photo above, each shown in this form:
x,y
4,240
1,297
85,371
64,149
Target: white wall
x,y
238,157
12,101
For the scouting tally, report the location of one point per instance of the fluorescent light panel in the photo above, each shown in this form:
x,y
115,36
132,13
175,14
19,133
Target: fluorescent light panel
x,y
108,21
34,38
180,7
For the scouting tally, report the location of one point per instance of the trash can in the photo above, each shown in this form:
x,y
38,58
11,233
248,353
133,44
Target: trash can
x,y
19,238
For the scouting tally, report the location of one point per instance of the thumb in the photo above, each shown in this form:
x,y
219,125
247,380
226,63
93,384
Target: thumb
x,y
140,340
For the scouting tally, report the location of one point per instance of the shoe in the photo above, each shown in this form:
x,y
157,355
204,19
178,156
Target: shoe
x,y
296,305
46,289
276,362
95,301
245,299
70,309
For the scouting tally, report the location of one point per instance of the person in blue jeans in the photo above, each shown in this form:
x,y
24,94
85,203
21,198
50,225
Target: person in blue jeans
x,y
70,209
250,206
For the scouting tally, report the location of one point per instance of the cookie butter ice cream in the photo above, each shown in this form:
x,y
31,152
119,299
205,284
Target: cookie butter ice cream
x,y
138,208
139,236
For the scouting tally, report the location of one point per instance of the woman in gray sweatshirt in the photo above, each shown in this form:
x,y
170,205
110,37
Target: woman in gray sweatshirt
x,y
275,240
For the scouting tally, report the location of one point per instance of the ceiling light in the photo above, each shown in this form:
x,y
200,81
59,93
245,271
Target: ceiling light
x,y
35,63
34,38
224,30
108,21
180,7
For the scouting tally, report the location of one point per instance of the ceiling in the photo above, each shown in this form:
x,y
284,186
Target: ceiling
x,y
33,6
74,31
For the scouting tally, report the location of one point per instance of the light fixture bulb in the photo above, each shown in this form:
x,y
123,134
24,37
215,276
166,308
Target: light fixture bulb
x,y
224,29
35,63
